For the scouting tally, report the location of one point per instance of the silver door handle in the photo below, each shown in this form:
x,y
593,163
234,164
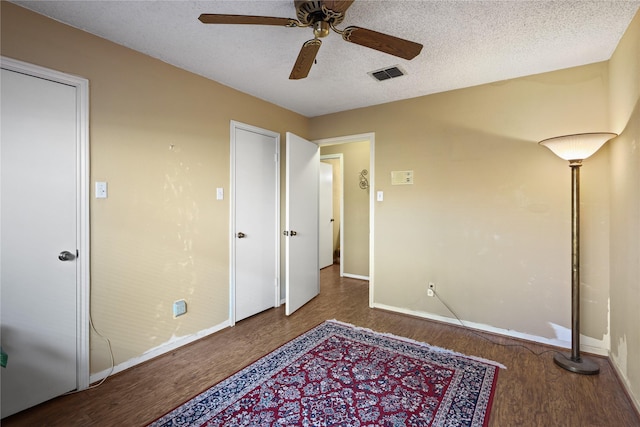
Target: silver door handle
x,y
241,235
66,256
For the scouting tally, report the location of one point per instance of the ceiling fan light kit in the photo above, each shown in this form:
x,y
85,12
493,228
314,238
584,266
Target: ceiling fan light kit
x,y
323,16
321,29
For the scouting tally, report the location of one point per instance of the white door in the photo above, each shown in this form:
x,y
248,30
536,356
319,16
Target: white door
x,y
302,272
326,215
256,223
38,222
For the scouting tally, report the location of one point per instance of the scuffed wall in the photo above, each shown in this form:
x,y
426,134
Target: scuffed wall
x,y
625,209
160,137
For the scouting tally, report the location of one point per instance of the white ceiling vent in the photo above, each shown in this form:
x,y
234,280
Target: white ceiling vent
x,y
387,73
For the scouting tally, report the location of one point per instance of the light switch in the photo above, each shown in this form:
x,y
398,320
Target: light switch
x,y
380,196
219,193
101,190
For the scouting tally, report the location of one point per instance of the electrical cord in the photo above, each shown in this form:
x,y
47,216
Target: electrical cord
x,y
538,354
113,365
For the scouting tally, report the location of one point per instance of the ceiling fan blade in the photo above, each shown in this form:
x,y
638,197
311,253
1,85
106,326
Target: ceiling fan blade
x,y
305,59
212,18
383,42
340,6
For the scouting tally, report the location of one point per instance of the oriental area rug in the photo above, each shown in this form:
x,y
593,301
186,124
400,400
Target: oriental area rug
x,y
337,374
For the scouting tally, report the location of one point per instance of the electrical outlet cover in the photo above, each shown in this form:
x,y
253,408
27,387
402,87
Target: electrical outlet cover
x,y
179,308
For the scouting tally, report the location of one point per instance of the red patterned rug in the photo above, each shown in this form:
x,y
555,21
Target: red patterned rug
x,y
341,375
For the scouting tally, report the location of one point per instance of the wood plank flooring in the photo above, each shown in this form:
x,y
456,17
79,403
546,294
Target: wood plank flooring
x,y
532,391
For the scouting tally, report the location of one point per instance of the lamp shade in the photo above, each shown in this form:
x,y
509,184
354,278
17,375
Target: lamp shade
x,y
578,146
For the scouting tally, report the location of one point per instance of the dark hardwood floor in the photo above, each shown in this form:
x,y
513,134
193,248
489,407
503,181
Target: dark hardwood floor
x,y
532,391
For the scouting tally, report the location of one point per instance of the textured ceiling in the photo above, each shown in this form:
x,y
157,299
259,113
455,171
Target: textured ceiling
x,y
466,43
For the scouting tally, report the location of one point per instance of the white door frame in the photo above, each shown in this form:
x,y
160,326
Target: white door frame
x,y
82,197
340,157
232,215
371,137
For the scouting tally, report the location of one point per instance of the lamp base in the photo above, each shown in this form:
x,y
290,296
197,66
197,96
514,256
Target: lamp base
x,y
579,366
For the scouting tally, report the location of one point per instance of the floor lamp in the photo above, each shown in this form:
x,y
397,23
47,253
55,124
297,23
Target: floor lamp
x,y
574,149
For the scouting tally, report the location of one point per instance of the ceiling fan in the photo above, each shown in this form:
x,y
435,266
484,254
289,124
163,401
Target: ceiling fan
x,y
323,16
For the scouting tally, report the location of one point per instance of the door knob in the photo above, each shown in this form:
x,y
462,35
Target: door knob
x,y
294,233
241,235
66,256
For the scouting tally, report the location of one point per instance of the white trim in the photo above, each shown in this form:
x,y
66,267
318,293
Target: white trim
x,y
234,125
356,276
167,347
82,196
488,328
371,137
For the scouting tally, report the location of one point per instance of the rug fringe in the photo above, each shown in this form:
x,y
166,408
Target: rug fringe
x,y
420,343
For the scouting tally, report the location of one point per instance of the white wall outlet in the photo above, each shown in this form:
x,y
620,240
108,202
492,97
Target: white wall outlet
x,y
219,193
101,190
431,289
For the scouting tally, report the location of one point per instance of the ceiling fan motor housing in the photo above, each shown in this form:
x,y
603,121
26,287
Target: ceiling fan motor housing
x,y
311,12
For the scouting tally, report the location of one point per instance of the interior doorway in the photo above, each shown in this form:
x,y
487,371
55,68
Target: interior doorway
x,y
45,172
335,163
326,216
357,220
255,220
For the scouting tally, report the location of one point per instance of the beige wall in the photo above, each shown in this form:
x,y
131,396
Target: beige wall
x,y
160,137
488,216
625,209
355,254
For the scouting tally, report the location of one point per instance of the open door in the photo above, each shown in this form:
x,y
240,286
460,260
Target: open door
x,y
302,272
325,229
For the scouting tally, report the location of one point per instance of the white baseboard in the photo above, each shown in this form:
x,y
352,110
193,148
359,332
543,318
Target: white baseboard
x,y
355,276
170,345
499,331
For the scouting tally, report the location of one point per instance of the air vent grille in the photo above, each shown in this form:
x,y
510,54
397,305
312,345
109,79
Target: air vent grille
x,y
387,73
